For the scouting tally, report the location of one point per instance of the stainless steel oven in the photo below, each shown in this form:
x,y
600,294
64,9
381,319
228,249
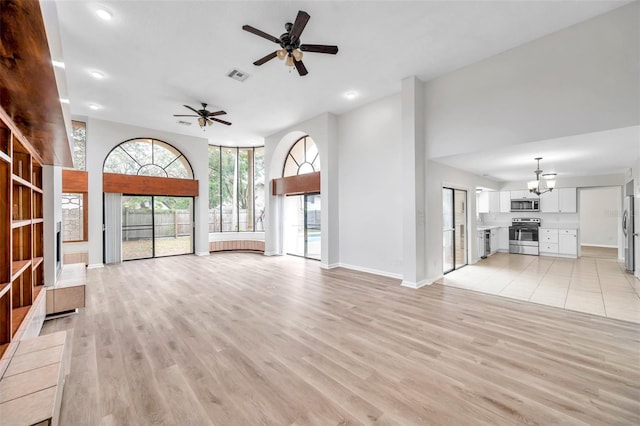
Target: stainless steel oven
x,y
524,236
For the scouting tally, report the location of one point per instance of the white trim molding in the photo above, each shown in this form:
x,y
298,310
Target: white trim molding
x,y
95,266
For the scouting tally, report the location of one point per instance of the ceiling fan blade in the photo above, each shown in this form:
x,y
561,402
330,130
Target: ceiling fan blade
x,y
299,24
267,58
302,70
194,110
262,34
211,114
319,48
179,115
220,121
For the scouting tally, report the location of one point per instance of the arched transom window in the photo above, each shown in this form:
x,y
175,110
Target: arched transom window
x,y
148,157
303,158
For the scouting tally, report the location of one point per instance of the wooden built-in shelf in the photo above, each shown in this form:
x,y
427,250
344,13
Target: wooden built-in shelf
x,y
36,290
36,261
3,348
18,267
36,189
5,157
17,179
4,288
37,220
20,223
17,316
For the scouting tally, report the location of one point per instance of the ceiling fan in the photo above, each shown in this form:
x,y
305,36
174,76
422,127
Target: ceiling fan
x,y
291,47
204,117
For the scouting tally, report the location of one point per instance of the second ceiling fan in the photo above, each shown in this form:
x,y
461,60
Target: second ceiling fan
x,y
291,47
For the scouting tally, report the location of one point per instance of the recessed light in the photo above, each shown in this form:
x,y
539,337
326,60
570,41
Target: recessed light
x,y
351,94
97,75
104,14
58,64
64,100
94,107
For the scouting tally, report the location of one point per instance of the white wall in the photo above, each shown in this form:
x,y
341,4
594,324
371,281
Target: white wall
x,y
370,175
322,130
52,206
102,137
579,80
600,216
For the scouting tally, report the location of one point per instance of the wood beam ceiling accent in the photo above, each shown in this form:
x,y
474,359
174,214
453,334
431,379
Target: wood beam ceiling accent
x,y
75,181
28,89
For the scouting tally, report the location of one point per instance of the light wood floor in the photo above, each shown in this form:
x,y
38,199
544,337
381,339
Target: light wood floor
x,y
596,286
243,339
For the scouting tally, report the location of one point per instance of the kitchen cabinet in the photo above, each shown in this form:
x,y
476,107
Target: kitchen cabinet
x,y
494,202
568,242
494,240
560,200
483,202
524,193
480,243
567,200
505,201
558,242
503,239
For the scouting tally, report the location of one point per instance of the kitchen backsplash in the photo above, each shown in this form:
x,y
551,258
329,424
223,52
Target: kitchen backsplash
x,y
549,220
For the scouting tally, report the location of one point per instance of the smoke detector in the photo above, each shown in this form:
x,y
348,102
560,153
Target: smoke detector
x,y
238,75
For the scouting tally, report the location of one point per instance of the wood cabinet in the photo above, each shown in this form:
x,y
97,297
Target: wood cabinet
x,y
21,233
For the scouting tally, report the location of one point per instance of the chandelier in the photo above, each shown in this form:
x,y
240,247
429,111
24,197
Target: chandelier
x,y
541,186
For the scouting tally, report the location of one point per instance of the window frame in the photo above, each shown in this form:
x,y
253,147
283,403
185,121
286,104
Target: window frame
x,y
152,141
85,218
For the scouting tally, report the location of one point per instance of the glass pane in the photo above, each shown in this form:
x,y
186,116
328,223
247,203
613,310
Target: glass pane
x,y
72,217
312,218
258,191
164,154
447,208
137,227
312,151
152,170
214,189
245,191
460,221
447,251
173,225
139,150
229,190
179,169
305,168
79,144
294,225
290,167
298,151
119,162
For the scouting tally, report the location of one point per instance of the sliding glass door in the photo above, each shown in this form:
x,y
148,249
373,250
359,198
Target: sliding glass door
x,y
155,226
302,225
454,229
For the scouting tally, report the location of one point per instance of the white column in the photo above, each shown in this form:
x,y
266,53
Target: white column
x,y
413,188
52,205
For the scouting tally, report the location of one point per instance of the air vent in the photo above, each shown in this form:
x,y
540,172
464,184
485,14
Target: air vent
x,y
184,123
236,74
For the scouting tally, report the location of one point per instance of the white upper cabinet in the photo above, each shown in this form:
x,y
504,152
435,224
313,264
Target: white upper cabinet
x,y
549,202
494,202
567,200
505,201
524,193
560,200
483,202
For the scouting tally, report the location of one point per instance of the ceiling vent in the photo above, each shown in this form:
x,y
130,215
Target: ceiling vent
x,y
236,74
184,123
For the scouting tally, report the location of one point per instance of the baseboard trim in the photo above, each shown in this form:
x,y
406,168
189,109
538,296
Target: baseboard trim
x,y
367,270
202,253
272,253
329,266
95,265
599,245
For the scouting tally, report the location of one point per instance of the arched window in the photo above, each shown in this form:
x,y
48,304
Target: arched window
x,y
148,157
303,158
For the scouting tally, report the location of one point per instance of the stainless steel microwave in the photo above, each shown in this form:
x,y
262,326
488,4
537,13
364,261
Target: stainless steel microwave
x,y
525,205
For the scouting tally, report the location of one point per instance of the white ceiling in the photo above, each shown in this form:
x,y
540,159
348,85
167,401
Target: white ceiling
x,y
158,55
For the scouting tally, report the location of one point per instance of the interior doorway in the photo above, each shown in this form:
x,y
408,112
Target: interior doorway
x,y
156,226
303,226
601,222
454,229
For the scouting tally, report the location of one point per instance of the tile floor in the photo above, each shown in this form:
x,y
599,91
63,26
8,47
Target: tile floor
x,y
593,285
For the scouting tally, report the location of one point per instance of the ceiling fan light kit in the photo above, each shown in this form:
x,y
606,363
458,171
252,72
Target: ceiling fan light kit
x,y
291,47
204,116
549,180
